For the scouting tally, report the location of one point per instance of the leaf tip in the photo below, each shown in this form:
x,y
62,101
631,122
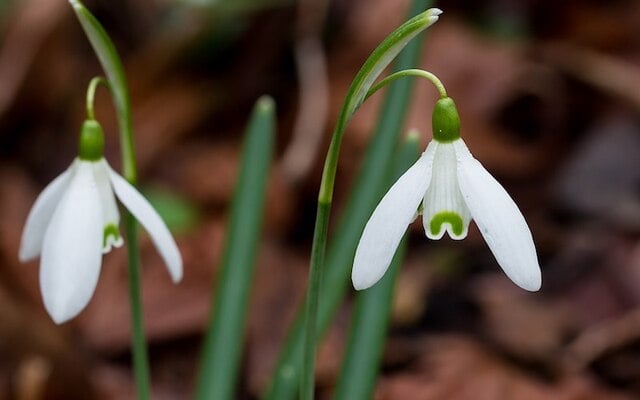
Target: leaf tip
x,y
433,15
265,104
76,4
413,136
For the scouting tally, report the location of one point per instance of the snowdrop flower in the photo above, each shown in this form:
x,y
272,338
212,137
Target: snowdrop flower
x,y
452,188
75,220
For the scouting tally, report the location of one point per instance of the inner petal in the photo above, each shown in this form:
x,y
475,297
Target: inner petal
x,y
448,220
111,238
110,215
444,209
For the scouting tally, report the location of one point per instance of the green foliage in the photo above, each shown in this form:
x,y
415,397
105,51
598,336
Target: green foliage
x,y
180,214
223,341
371,312
369,187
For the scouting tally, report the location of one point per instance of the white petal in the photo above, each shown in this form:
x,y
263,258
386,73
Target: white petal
x,y
500,221
444,209
71,255
40,215
151,221
110,214
389,221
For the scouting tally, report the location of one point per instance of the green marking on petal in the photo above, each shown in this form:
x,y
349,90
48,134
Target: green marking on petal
x,y
445,121
446,217
91,146
110,230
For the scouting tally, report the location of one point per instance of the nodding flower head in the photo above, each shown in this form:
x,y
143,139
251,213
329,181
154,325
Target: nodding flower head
x,y
75,220
451,188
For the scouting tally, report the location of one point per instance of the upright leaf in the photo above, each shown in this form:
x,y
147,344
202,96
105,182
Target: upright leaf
x,y
224,337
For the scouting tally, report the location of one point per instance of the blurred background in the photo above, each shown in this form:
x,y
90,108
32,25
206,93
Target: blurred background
x,y
549,97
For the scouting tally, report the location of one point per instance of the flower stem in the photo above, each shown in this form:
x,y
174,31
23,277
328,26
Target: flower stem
x,y
313,292
91,93
112,66
139,345
368,189
409,72
371,69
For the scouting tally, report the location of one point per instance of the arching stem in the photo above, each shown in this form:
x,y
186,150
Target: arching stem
x,y
409,72
91,93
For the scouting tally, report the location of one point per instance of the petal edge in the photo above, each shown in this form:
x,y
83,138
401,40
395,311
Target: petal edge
x,y
40,215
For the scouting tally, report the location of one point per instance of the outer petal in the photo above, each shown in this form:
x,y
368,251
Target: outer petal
x,y
389,221
500,221
40,215
149,218
71,252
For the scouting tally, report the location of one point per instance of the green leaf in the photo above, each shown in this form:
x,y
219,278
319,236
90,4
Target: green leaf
x,y
224,337
178,213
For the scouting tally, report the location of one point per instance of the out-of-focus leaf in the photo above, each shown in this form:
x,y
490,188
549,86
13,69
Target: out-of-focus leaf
x,y
178,213
224,337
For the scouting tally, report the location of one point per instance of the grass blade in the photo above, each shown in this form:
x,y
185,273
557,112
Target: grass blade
x,y
223,342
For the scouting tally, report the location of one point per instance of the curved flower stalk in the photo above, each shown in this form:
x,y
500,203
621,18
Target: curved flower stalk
x,y
450,188
108,56
379,59
75,220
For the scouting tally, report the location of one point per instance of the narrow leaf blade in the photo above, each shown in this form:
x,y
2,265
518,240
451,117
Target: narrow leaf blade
x,y
223,341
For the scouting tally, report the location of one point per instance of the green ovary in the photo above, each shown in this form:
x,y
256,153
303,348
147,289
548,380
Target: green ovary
x,y
445,121
91,147
446,217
